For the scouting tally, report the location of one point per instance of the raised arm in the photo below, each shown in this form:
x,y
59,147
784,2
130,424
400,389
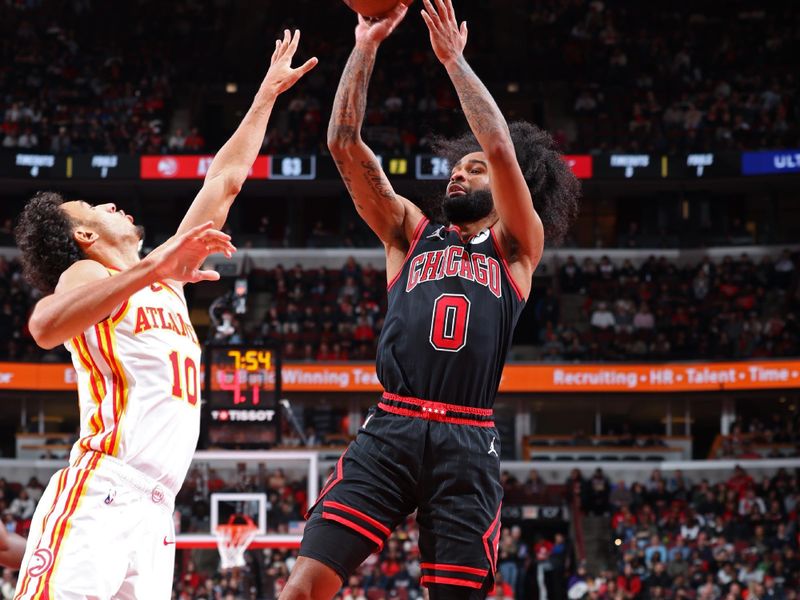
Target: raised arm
x,y
392,217
86,293
233,162
520,230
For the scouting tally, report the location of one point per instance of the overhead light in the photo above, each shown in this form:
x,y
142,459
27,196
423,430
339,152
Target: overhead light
x,y
513,87
231,88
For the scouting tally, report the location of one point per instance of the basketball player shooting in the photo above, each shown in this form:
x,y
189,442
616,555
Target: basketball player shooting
x,y
456,290
104,526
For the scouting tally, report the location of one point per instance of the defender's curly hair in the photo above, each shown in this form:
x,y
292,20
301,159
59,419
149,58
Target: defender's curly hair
x,y
44,235
555,189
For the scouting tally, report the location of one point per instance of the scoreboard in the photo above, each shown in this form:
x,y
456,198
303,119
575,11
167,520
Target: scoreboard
x,y
419,167
242,393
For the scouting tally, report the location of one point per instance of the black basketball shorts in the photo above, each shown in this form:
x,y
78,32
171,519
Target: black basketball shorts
x,y
440,460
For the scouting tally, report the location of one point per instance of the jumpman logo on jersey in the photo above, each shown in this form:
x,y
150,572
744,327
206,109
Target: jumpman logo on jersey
x,y
492,449
436,235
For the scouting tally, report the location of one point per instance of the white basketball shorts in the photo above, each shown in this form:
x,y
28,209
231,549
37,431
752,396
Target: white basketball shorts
x,y
102,530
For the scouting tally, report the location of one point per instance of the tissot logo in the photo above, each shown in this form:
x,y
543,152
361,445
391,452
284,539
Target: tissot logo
x,y
243,415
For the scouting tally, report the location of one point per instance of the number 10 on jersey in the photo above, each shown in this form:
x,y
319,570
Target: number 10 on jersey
x,y
450,322
185,380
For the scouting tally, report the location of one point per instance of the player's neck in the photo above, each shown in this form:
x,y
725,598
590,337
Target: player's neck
x,y
468,231
115,257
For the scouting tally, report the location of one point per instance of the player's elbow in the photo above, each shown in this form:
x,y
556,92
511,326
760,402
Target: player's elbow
x,y
341,139
41,331
233,182
500,149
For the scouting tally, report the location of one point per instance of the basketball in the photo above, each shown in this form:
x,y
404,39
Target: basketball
x,y
371,8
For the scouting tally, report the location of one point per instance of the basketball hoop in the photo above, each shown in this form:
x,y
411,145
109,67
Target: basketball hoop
x,y
233,539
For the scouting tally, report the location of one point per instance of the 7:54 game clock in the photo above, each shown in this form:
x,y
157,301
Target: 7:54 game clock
x,y
242,390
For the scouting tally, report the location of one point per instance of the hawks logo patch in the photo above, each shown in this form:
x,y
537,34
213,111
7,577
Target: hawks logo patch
x,y
40,562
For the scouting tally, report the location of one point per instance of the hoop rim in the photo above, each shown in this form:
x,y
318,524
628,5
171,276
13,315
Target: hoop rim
x,y
231,532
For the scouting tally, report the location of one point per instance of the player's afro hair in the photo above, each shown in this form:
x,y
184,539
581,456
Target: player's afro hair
x,y
44,235
555,189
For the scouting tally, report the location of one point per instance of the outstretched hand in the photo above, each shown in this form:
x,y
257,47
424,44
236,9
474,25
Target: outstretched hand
x,y
378,29
281,76
180,257
447,37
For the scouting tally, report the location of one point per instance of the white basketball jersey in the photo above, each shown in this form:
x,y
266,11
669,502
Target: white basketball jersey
x,y
139,385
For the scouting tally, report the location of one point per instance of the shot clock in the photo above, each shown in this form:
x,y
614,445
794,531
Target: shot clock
x,y
242,389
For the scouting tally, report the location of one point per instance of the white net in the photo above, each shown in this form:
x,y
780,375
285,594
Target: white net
x,y
233,539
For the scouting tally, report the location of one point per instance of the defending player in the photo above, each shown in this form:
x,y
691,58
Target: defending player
x,y
455,293
12,547
104,527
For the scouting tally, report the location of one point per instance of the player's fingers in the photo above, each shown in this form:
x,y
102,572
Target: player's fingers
x,y
204,275
442,10
428,21
275,52
219,246
432,14
464,32
307,66
198,230
286,42
451,13
295,41
211,235
400,10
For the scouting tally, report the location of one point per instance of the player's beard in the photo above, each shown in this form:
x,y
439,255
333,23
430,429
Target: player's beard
x,y
469,208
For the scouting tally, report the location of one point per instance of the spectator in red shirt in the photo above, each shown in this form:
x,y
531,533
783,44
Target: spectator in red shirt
x,y
629,583
501,589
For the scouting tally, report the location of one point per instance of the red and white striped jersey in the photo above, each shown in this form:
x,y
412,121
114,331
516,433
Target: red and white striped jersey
x,y
139,385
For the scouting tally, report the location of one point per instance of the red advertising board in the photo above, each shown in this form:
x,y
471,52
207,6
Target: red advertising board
x,y
519,378
581,165
193,166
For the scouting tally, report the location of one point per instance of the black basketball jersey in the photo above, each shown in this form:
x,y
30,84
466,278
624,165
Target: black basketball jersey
x,y
451,314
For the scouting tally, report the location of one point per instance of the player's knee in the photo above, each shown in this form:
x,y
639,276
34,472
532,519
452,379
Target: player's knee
x,y
296,591
306,590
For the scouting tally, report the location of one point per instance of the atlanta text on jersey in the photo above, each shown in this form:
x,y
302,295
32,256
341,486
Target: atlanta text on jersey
x,y
156,317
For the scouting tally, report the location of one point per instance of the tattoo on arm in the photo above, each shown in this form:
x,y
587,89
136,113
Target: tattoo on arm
x,y
377,181
480,109
351,97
